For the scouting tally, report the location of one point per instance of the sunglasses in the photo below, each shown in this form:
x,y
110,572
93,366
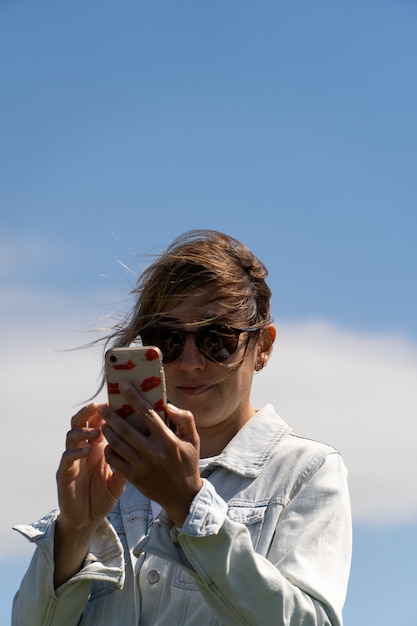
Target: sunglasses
x,y
216,342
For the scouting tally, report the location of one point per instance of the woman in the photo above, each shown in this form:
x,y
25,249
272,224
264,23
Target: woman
x,y
227,517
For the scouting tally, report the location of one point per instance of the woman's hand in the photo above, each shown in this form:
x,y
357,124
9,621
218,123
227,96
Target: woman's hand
x,y
87,487
87,491
163,465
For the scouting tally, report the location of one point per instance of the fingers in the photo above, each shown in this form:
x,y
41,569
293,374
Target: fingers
x,y
85,427
77,438
117,483
66,467
122,438
146,411
131,445
83,416
153,425
145,419
84,434
182,419
184,422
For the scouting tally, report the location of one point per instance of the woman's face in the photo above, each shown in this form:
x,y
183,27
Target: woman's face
x,y
218,394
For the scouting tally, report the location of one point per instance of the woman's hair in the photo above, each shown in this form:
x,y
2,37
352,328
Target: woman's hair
x,y
205,262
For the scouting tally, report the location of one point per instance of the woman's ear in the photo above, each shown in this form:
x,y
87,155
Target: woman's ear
x,y
266,341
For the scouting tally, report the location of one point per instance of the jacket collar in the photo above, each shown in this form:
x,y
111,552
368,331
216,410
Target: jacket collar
x,y
249,450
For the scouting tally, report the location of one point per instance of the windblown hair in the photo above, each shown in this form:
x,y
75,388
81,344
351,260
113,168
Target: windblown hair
x,y
206,261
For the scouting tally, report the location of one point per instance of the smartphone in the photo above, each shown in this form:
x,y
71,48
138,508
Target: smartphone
x,y
142,367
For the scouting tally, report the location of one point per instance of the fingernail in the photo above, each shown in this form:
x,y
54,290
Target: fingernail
x,y
104,411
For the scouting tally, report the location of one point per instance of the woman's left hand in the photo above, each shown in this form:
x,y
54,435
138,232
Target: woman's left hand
x,y
161,464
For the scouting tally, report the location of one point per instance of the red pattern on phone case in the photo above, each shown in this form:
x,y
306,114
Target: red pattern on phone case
x,y
150,383
125,410
151,354
159,406
124,366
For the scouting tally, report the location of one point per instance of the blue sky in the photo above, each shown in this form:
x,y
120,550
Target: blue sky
x,y
289,125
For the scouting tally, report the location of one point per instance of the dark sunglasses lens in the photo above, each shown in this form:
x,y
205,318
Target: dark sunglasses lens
x,y
217,342
169,340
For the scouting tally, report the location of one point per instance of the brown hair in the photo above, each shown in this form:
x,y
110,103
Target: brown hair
x,y
222,267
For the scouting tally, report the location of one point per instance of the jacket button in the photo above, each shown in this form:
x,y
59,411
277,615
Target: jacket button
x,y
153,576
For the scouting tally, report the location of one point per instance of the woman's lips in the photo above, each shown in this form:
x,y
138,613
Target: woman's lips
x,y
194,390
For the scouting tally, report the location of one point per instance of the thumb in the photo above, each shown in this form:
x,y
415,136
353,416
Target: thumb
x,y
117,484
184,422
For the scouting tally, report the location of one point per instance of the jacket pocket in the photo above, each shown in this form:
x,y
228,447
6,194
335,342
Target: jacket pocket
x,y
93,612
183,580
252,516
100,588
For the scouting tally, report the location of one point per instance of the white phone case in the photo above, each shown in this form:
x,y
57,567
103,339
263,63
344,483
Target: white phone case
x,y
142,367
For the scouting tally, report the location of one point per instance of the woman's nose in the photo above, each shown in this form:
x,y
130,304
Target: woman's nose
x,y
191,357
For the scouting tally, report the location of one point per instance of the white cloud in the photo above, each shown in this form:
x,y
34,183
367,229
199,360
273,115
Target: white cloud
x,y
354,391
359,393
42,384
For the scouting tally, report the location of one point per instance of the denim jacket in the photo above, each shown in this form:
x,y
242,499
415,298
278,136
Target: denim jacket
x,y
267,542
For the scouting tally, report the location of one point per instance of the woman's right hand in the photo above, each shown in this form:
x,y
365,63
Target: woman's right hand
x,y
87,491
87,487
